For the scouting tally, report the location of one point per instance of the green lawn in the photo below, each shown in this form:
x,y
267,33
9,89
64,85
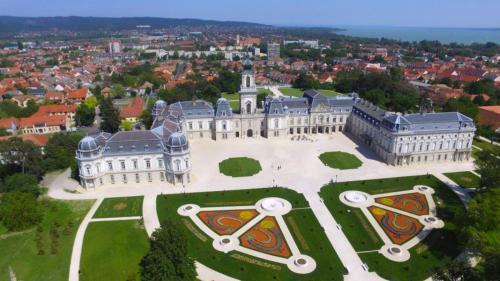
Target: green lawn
x,y
240,167
292,92
265,91
299,93
340,160
21,252
329,93
465,179
483,145
112,251
433,251
313,243
230,97
120,207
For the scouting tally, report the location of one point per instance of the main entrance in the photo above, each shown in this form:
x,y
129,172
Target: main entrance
x,y
249,133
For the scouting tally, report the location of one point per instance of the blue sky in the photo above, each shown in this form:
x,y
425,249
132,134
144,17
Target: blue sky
x,y
427,13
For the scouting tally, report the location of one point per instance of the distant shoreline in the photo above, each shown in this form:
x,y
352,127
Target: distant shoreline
x,y
446,35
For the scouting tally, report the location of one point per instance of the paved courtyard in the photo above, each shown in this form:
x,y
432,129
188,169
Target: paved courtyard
x,y
300,170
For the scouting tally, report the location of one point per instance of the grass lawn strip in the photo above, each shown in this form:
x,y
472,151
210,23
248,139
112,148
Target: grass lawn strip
x,y
112,250
465,179
120,207
245,267
340,160
240,167
291,92
48,259
431,252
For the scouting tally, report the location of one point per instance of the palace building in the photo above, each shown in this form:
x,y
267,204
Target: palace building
x,y
162,154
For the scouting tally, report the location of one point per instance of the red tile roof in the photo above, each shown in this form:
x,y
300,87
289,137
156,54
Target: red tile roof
x,y
7,122
40,140
55,120
78,94
134,109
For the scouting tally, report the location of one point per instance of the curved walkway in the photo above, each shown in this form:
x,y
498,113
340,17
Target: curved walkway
x,y
74,266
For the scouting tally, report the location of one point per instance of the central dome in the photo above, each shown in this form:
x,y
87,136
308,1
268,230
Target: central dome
x,y
177,139
87,144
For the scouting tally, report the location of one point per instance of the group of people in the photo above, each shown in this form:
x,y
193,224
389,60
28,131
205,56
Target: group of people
x,y
301,138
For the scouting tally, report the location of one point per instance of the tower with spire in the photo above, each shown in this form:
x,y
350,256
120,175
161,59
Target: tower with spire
x,y
248,89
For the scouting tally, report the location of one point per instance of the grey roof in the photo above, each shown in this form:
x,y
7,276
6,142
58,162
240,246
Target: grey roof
x,y
296,106
223,109
369,109
177,139
87,144
133,142
274,106
341,101
441,121
193,109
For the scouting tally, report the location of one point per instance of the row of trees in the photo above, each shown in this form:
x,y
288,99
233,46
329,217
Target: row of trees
x,y
479,227
227,81
10,109
387,90
23,165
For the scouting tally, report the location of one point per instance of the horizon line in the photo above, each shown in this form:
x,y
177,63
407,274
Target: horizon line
x,y
339,25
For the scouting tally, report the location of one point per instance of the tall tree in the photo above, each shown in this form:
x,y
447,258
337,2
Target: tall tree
x,y
20,156
85,115
167,259
463,105
22,183
60,150
488,164
110,116
19,210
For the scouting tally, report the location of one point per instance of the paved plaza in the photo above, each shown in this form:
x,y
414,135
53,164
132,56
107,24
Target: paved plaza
x,y
299,169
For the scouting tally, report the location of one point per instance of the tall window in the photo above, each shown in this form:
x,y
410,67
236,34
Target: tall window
x,y
89,171
200,125
98,167
150,177
122,164
177,165
249,107
110,166
137,178
134,162
148,164
276,123
248,82
160,163
224,125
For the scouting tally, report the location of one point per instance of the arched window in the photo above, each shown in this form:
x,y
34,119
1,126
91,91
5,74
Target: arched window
x,y
187,162
247,81
177,164
276,123
249,107
88,169
224,125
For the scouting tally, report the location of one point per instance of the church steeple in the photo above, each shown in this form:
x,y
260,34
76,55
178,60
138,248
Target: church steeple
x,y
248,89
248,77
